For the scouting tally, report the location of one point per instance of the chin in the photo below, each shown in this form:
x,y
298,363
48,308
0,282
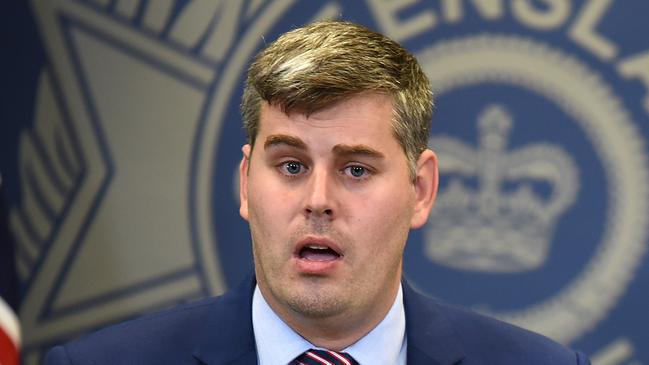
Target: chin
x,y
316,305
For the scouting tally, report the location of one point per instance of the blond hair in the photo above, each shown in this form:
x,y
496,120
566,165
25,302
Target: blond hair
x,y
313,67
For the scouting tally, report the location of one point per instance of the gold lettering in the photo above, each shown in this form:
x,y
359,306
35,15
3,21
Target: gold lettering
x,y
386,13
553,17
637,67
583,31
488,9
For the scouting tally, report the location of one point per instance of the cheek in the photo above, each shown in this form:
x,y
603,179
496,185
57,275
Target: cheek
x,y
391,205
386,220
270,210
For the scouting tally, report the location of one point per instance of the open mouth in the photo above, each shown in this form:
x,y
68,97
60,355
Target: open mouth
x,y
317,249
318,253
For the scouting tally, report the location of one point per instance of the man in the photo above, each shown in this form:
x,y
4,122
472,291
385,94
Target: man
x,y
335,174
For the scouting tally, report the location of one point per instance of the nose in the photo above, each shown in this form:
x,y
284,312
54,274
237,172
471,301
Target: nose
x,y
320,196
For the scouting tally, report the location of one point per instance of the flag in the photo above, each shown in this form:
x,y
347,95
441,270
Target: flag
x,y
9,325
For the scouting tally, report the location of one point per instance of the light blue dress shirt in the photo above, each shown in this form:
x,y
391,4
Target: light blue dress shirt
x,y
277,343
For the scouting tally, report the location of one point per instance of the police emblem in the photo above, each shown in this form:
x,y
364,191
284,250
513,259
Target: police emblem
x,y
506,222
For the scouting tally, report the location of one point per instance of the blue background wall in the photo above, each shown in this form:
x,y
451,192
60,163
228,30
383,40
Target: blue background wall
x,y
120,138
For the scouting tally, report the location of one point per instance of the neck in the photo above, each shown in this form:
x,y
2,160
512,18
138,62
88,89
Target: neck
x,y
341,330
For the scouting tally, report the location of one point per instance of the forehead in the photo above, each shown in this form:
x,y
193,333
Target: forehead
x,y
366,117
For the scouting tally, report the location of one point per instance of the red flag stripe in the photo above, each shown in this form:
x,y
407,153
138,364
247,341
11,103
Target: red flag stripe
x,y
8,350
9,323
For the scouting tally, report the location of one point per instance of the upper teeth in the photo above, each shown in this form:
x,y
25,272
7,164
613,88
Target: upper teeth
x,y
316,247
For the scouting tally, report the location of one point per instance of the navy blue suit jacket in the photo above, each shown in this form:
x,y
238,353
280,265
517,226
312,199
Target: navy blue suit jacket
x,y
219,331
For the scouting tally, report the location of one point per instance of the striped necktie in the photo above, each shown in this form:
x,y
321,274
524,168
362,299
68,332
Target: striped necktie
x,y
323,357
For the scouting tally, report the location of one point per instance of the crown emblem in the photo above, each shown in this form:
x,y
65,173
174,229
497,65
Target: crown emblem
x,y
499,209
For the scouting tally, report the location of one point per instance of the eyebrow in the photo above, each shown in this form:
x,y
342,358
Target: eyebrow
x,y
283,139
343,150
339,149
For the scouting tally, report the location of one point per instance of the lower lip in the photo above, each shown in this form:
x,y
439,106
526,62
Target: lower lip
x,y
315,267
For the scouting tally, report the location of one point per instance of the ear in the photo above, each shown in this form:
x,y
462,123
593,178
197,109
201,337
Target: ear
x,y
426,184
243,181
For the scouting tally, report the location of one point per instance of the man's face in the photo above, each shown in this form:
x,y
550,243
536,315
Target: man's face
x,y
330,202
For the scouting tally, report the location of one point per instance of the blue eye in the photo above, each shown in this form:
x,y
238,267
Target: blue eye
x,y
356,171
292,167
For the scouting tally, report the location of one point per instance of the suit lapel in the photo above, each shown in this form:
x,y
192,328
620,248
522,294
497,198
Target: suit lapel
x,y
228,334
431,337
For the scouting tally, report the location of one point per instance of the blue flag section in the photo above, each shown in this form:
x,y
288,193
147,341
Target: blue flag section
x,y
121,139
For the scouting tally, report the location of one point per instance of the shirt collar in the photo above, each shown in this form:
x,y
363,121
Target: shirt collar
x,y
277,343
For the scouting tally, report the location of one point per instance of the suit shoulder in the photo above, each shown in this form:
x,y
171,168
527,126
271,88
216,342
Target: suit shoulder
x,y
501,342
182,315
451,333
168,336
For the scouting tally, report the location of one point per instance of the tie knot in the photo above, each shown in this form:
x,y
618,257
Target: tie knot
x,y
324,357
